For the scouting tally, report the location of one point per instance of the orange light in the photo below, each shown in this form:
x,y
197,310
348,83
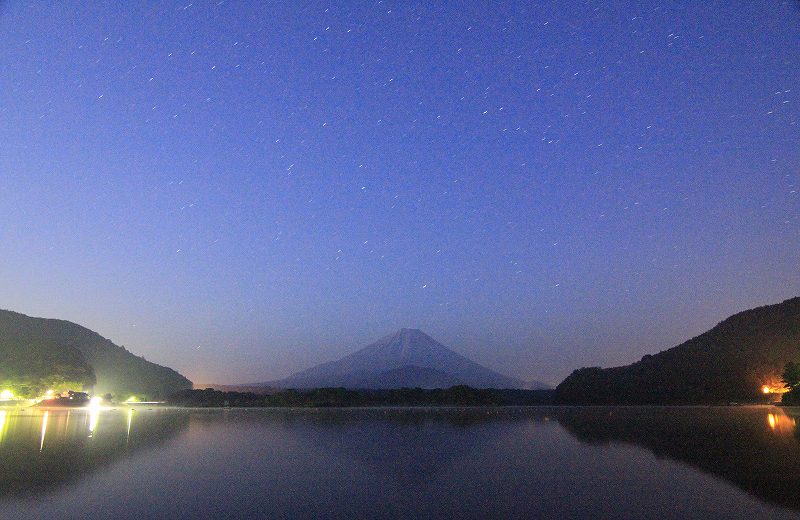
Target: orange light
x,y
772,421
765,389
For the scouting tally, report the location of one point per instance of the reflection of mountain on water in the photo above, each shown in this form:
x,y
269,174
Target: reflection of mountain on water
x,y
413,446
41,450
409,445
755,448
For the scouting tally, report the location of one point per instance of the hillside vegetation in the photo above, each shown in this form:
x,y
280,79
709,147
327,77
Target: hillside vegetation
x,y
39,353
30,368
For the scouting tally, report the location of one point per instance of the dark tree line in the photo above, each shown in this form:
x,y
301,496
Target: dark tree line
x,y
791,380
342,397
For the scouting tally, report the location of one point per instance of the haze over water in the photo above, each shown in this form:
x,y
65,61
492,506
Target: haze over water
x,y
645,462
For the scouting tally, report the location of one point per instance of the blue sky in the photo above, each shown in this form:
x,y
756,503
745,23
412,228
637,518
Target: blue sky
x,y
241,189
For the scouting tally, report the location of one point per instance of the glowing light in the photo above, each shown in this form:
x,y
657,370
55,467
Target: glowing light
x,y
94,415
773,388
772,421
48,395
2,425
131,399
44,429
130,420
6,395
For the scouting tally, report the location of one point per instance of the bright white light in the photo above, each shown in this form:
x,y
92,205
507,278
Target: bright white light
x,y
6,394
44,429
130,420
94,415
95,401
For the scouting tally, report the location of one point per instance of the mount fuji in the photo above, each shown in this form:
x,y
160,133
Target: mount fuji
x,y
407,358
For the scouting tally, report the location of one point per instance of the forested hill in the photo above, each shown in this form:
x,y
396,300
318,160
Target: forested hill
x,y
731,362
37,353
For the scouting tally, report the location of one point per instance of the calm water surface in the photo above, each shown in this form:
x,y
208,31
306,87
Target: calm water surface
x,y
739,462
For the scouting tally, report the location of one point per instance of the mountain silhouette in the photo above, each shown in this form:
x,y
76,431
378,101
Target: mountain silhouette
x,y
734,361
406,358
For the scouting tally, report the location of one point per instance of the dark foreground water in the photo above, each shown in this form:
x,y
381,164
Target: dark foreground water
x,y
401,463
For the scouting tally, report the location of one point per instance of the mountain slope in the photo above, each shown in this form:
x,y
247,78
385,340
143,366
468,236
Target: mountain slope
x,y
730,362
58,346
409,377
411,350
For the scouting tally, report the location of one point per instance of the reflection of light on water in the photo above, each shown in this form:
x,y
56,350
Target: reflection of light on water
x,y
130,419
781,424
2,425
44,429
94,415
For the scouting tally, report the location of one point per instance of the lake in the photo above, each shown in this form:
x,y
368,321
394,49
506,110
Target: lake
x,y
540,462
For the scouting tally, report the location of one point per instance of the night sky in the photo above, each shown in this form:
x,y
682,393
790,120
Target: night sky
x,y
241,189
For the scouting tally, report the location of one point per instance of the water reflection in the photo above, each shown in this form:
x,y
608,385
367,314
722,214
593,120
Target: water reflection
x,y
441,463
782,424
42,449
94,416
128,429
44,429
755,448
408,446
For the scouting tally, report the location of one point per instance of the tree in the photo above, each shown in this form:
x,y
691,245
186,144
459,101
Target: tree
x,y
791,375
